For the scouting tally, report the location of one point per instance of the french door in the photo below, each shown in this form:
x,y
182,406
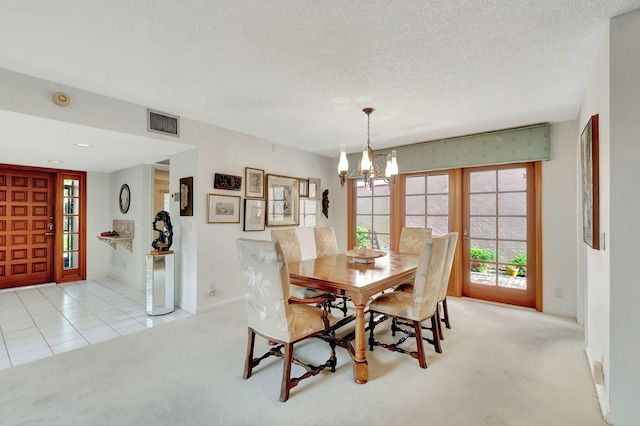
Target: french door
x,y
499,234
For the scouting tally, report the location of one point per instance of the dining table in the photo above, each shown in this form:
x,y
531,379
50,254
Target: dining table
x,y
343,275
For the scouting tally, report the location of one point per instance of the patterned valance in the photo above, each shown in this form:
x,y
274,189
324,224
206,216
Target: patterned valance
x,y
506,146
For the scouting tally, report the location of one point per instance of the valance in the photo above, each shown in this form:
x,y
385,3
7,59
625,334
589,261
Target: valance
x,y
518,145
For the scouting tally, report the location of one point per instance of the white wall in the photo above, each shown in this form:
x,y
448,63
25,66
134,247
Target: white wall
x,y
224,151
622,220
559,261
98,220
594,264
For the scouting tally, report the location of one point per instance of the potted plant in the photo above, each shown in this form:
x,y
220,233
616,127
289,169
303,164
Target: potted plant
x,y
521,259
511,270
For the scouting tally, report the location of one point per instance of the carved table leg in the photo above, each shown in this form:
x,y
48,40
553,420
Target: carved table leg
x,y
360,366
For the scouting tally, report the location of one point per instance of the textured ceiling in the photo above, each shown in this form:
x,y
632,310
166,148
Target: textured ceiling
x,y
299,72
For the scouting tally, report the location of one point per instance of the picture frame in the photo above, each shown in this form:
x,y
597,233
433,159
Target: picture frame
x,y
314,189
186,196
223,208
254,214
282,200
590,170
124,198
254,183
304,188
228,182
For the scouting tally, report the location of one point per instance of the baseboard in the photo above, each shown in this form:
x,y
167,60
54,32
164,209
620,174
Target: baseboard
x,y
220,304
620,421
601,393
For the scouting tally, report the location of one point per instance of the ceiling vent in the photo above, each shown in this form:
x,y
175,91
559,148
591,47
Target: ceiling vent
x,y
159,122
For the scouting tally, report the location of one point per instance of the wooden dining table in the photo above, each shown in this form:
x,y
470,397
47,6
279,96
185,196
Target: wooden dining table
x,y
341,275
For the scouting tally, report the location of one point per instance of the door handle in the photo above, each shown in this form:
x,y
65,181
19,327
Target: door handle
x,y
48,234
465,233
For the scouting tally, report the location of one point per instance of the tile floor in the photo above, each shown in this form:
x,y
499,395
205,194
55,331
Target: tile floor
x,y
46,320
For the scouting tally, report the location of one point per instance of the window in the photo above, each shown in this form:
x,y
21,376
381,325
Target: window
x,y
71,242
71,223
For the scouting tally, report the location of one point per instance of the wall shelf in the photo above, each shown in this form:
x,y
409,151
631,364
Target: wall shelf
x,y
126,242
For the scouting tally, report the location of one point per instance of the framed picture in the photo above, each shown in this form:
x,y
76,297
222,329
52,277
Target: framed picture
x,y
314,189
282,200
223,209
254,183
304,188
254,212
590,170
186,196
230,182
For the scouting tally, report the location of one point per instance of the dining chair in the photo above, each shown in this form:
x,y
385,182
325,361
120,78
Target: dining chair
x,y
277,317
412,239
288,239
446,274
326,244
410,308
444,285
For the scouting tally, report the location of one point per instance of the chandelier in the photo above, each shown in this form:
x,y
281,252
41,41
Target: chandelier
x,y
368,171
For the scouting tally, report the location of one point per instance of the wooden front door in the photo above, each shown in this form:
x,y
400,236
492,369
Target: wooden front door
x,y
27,205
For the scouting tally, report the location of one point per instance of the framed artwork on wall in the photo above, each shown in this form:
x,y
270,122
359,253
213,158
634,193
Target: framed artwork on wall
x,y
314,189
229,182
590,170
254,183
223,209
254,212
186,196
304,188
282,200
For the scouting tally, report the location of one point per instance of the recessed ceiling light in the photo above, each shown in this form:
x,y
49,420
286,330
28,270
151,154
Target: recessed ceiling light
x,y
84,145
55,161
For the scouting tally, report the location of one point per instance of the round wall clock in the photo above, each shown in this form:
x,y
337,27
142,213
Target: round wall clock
x,y
125,198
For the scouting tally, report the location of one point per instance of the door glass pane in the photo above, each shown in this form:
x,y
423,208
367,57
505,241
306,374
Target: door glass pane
x,y
70,242
437,204
71,206
438,184
513,252
364,206
380,188
512,228
414,204
483,204
381,224
439,224
70,260
482,262
380,205
483,227
71,188
512,180
483,181
364,221
512,203
414,221
71,224
414,185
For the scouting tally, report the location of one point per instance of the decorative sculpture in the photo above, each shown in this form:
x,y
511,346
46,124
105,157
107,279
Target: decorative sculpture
x,y
165,236
325,203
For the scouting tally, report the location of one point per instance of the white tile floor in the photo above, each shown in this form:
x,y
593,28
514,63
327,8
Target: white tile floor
x,y
41,321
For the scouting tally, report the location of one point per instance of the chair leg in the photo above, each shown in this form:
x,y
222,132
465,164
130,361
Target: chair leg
x,y
248,363
417,327
372,324
286,372
445,310
394,327
438,322
435,328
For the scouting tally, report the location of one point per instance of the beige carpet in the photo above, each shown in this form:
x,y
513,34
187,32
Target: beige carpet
x,y
500,366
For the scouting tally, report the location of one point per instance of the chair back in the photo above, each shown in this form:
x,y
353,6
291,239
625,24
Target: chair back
x,y
429,276
326,244
448,263
412,239
289,242
265,281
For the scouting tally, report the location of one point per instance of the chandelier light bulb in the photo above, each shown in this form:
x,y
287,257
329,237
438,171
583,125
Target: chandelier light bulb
x,y
343,164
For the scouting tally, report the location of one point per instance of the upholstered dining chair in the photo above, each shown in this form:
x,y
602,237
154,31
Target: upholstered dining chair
x,y
446,273
410,308
275,316
412,239
326,244
288,239
444,285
